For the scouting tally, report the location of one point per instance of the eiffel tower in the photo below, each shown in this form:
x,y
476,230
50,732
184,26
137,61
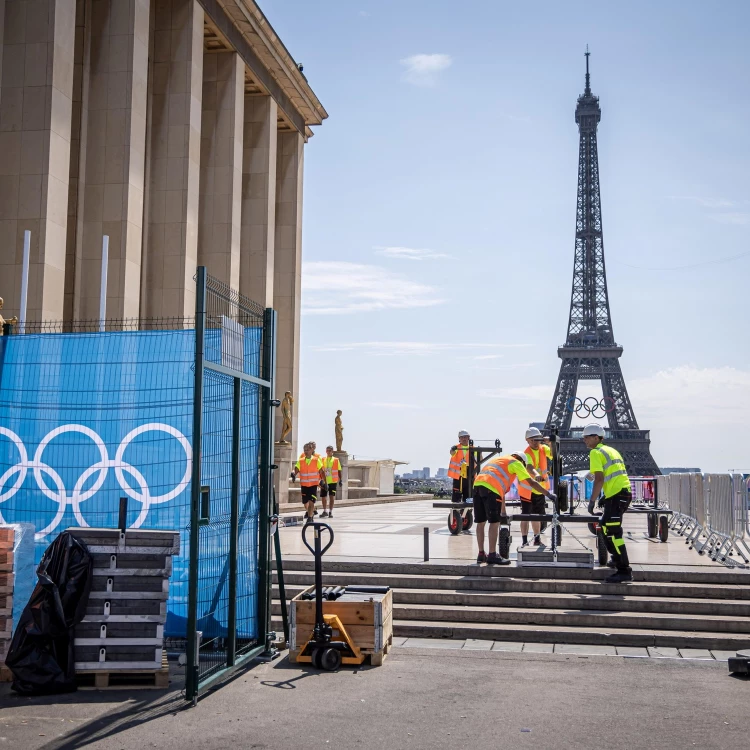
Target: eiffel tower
x,y
590,351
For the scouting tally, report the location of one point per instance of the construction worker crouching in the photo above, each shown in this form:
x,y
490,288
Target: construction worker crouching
x,y
538,454
311,474
458,469
493,482
610,476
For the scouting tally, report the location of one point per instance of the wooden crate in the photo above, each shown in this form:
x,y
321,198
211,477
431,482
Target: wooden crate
x,y
368,619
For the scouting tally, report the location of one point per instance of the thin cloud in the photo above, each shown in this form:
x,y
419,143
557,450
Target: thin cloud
x,y
705,202
338,288
410,348
410,253
738,219
393,405
423,70
514,366
524,393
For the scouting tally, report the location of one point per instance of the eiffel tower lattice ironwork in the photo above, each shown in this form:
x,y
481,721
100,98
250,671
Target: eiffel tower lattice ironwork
x,y
590,351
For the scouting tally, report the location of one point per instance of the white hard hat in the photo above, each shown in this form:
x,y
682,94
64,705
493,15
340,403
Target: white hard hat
x,y
593,429
533,432
463,433
521,457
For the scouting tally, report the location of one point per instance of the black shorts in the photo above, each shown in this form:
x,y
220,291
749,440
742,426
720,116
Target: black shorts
x,y
536,505
460,490
486,505
310,494
328,488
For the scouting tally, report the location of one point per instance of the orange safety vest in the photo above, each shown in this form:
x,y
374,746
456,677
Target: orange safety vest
x,y
309,471
539,462
459,459
332,466
496,476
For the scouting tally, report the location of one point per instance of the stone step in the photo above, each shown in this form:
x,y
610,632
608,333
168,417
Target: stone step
x,y
583,618
557,586
563,634
647,573
541,600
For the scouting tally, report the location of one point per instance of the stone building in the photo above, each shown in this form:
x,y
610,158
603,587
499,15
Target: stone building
x,y
175,127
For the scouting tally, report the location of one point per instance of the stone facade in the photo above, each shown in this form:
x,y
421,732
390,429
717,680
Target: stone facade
x,y
175,127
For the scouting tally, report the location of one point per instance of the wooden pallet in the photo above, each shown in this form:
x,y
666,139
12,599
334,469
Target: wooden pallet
x,y
124,679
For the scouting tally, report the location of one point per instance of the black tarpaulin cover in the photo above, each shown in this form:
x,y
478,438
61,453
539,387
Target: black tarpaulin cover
x,y
41,653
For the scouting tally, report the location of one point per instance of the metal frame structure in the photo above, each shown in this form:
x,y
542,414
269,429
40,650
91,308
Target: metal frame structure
x,y
235,654
590,351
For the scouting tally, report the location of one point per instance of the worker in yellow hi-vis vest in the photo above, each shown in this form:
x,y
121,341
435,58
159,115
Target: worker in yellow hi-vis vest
x,y
611,477
458,470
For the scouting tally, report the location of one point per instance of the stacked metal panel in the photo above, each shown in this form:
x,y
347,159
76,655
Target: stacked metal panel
x,y
123,630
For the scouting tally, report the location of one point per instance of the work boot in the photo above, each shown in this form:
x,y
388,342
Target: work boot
x,y
308,519
494,559
611,563
525,543
330,515
324,514
538,541
621,576
481,558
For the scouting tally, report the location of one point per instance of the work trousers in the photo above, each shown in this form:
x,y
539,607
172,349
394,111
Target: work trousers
x,y
611,523
460,490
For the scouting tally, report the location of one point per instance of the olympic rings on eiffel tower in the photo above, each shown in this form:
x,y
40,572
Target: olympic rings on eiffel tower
x,y
591,406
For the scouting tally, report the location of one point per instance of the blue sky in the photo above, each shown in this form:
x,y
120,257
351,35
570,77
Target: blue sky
x,y
439,217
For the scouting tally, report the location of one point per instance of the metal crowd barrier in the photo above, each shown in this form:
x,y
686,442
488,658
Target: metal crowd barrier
x,y
711,512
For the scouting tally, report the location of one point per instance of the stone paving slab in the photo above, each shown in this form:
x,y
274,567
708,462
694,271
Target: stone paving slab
x,y
507,646
478,645
539,648
433,643
663,652
723,655
695,653
584,650
632,651
399,641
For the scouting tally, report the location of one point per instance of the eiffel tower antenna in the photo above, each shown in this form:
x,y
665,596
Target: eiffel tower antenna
x,y
590,351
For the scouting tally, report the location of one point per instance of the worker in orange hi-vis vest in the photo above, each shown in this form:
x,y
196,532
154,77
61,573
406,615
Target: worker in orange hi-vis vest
x,y
538,464
311,474
458,470
332,469
492,484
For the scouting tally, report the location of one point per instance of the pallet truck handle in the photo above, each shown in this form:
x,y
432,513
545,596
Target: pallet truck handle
x,y
318,527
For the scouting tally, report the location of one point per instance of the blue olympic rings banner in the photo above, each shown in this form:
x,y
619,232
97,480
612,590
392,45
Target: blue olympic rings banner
x,y
86,419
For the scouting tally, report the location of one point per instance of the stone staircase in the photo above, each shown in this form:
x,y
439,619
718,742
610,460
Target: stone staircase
x,y
665,606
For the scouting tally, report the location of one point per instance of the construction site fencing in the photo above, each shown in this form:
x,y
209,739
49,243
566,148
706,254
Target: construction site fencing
x,y
711,512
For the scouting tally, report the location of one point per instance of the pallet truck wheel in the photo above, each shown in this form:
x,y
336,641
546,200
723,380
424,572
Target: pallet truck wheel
x,y
592,528
455,522
330,659
601,548
315,657
562,497
503,542
652,525
558,535
468,520
663,528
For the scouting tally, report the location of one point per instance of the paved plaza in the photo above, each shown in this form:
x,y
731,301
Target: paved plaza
x,y
396,531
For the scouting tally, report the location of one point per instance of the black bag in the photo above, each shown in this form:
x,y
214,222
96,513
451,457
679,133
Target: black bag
x,y
41,653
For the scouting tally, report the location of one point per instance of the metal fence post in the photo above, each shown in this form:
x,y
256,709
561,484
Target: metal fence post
x,y
266,476
234,522
191,676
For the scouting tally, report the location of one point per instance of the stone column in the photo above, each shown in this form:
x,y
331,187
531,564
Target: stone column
x,y
343,492
115,144
287,287
258,199
35,126
221,166
177,85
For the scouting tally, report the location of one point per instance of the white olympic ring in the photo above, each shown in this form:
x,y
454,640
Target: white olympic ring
x,y
101,468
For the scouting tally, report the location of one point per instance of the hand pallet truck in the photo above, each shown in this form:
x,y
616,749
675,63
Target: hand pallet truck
x,y
321,650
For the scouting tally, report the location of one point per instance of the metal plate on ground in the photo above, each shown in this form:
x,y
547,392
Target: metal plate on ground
x,y
545,558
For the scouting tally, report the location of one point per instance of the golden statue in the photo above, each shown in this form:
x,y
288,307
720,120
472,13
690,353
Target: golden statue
x,y
3,321
339,431
286,416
